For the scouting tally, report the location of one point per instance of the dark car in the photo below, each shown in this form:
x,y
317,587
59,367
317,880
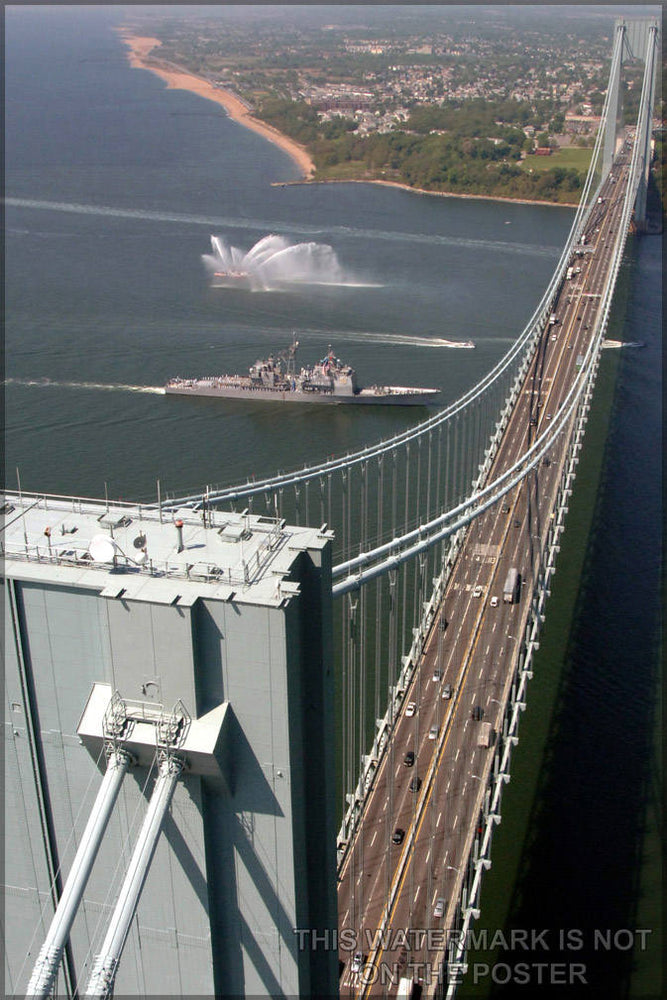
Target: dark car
x,y
409,758
415,784
477,713
397,836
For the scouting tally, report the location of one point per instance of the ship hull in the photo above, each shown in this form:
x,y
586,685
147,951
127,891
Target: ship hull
x,y
389,395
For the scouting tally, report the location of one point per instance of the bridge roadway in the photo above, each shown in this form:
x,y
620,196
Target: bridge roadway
x,y
475,654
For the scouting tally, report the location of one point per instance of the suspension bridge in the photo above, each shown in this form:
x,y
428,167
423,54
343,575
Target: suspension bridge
x,y
446,541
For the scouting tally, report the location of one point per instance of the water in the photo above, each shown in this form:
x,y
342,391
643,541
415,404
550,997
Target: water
x,y
115,187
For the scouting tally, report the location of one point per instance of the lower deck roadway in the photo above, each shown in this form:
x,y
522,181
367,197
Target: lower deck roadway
x,y
475,654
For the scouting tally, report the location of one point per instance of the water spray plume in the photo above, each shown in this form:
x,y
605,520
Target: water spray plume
x,y
272,263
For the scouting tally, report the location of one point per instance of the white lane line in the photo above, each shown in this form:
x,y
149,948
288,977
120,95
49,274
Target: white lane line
x,y
456,819
437,822
481,671
417,892
427,856
457,753
374,836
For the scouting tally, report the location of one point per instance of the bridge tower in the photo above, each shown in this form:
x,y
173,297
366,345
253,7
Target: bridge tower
x,y
169,752
634,39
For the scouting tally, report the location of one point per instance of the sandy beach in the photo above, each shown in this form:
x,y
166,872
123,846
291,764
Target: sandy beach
x,y
142,55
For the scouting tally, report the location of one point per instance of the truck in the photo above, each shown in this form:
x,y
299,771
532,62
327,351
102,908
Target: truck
x,y
485,735
512,586
553,319
409,988
570,272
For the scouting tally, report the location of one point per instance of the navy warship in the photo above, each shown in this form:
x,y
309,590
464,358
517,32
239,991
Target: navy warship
x,y
277,379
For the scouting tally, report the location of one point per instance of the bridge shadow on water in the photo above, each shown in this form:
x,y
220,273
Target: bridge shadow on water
x,y
594,814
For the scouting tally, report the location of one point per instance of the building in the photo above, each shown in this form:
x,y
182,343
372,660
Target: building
x,y
195,643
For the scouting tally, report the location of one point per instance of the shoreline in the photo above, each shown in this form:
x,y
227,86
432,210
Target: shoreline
x,y
139,56
431,194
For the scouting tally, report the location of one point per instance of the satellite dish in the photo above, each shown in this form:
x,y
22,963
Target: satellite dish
x,y
102,548
139,541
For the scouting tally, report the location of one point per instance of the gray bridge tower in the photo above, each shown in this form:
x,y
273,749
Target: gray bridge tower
x,y
188,659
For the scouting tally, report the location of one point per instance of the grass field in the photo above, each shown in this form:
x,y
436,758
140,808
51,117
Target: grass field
x,y
570,157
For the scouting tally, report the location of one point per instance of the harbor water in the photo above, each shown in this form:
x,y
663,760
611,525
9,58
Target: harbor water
x,y
114,186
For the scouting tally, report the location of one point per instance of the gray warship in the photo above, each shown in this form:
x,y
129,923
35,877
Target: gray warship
x,y
276,379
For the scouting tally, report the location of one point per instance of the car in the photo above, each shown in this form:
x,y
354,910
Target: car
x,y
411,709
548,416
517,522
443,623
415,784
494,601
409,758
533,421
439,907
397,836
447,691
433,733
505,509
477,713
359,958
478,591
553,336
437,674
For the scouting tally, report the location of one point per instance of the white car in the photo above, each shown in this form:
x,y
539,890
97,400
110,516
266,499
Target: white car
x,y
411,709
439,907
433,732
478,591
494,601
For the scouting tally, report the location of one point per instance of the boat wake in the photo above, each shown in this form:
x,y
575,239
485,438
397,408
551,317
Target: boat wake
x,y
392,339
436,239
42,383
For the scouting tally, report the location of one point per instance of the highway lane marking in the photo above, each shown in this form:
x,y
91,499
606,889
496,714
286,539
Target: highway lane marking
x,y
427,856
417,892
437,822
457,754
456,819
373,840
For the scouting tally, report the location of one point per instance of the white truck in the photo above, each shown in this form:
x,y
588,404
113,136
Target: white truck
x,y
512,587
485,735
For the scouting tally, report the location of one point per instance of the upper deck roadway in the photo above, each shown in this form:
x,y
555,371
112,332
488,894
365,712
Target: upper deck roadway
x,y
474,654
